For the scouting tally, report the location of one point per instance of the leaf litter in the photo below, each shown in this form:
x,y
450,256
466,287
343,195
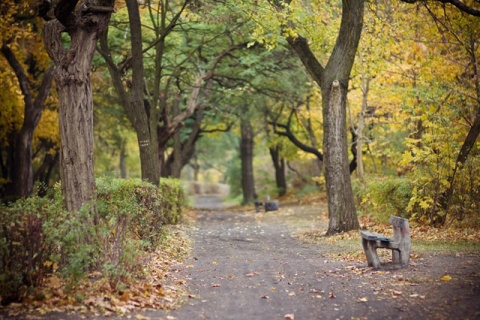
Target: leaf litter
x,y
161,288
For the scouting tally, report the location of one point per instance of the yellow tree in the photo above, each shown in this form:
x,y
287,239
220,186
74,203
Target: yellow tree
x,y
447,91
27,75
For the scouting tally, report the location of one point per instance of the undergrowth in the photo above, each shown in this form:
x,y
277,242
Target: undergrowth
x,y
38,239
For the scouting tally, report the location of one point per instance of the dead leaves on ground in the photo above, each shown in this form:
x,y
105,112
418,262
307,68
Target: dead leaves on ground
x,y
352,240
161,288
418,232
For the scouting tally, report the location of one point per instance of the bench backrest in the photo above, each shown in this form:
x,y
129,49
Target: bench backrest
x,y
401,229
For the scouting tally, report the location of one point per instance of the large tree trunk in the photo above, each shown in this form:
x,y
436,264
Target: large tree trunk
x,y
246,154
341,208
279,165
72,77
333,80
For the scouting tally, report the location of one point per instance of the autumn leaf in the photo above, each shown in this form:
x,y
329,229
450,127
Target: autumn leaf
x,y
364,299
446,278
289,316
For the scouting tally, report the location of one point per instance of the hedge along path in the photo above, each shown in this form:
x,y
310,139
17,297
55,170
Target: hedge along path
x,y
248,265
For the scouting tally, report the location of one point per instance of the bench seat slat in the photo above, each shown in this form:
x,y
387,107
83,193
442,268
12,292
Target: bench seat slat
x,y
374,236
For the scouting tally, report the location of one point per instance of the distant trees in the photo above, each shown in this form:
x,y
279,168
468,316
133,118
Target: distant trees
x,y
186,69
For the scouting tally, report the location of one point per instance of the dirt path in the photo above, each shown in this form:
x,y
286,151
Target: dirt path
x,y
248,266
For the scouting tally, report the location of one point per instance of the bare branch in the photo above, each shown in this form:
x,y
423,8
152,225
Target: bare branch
x,y
457,3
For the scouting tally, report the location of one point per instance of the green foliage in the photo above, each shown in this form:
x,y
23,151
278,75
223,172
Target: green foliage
x,y
140,207
382,197
38,237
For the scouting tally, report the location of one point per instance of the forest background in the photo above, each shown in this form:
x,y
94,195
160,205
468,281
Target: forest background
x,y
215,92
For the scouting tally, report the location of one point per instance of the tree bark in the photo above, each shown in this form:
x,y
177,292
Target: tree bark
x,y
72,77
341,208
246,154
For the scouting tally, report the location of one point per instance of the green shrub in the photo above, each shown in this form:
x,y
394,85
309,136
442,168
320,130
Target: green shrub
x,y
141,206
382,197
109,235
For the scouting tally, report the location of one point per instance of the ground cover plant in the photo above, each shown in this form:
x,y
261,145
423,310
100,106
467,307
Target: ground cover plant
x,y
53,260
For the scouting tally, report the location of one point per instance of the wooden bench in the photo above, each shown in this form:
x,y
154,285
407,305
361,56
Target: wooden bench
x,y
400,243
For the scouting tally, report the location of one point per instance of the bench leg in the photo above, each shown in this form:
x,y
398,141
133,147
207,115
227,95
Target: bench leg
x,y
401,256
370,249
396,254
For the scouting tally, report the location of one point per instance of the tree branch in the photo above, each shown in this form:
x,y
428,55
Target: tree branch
x,y
457,3
287,132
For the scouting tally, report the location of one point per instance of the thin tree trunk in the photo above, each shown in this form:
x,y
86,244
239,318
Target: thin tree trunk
x,y
365,86
246,153
279,165
122,162
176,166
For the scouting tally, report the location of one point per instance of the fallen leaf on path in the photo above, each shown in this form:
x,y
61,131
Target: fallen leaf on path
x,y
331,295
446,278
364,299
289,316
292,293
265,297
397,293
216,285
